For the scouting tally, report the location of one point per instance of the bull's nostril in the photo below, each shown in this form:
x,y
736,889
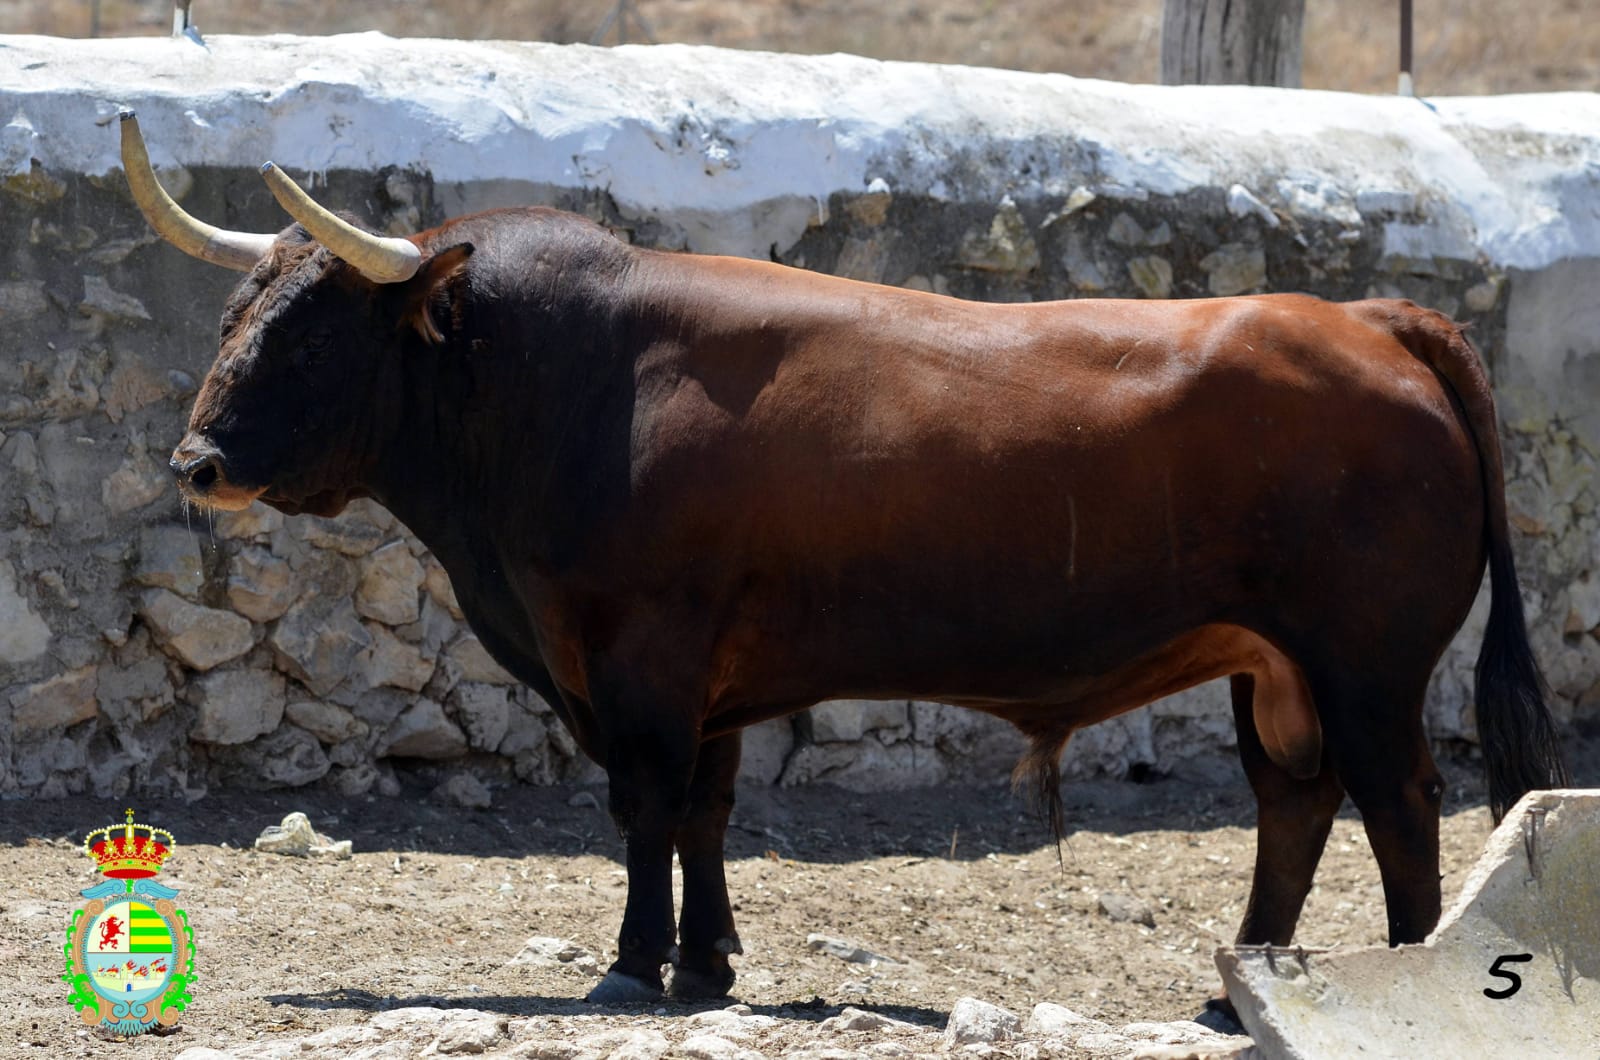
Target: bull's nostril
x,y
203,477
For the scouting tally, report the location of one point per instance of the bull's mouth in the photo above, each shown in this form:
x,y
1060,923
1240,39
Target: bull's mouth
x,y
222,497
326,504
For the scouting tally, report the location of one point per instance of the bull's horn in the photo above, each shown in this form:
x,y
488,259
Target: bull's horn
x,y
233,250
381,259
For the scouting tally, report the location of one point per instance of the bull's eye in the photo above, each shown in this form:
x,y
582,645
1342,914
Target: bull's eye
x,y
316,345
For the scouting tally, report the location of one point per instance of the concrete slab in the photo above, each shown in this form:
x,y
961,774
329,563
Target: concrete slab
x,y
1512,970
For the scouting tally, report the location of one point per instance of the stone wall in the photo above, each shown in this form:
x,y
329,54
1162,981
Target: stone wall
x,y
145,648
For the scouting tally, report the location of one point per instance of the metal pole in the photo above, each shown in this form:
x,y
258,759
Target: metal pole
x,y
94,18
1405,87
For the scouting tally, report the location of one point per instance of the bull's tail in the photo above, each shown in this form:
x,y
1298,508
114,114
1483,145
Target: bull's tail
x,y
1514,726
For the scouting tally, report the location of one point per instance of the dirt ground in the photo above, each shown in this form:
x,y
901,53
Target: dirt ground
x,y
959,886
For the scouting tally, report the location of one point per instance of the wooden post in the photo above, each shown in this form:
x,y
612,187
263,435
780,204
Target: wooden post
x,y
1405,87
1232,42
619,16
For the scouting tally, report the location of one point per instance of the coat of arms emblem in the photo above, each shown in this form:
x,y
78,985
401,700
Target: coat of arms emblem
x,y
130,950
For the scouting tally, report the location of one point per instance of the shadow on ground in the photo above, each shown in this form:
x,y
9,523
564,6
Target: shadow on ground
x,y
819,823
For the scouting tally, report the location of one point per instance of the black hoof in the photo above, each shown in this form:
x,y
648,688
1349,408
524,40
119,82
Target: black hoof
x,y
1220,1016
618,988
689,984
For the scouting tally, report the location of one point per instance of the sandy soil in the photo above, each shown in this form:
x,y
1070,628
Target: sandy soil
x,y
959,886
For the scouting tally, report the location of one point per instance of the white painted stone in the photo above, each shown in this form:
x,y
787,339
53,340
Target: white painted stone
x,y
972,1020
236,706
1243,203
199,637
24,635
390,580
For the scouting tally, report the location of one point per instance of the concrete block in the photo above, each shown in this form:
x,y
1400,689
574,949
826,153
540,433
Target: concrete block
x,y
1526,928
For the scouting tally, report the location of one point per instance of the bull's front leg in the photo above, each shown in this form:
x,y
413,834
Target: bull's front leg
x,y
706,935
649,767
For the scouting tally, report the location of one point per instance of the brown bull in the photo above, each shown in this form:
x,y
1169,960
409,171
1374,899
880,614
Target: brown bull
x,y
679,495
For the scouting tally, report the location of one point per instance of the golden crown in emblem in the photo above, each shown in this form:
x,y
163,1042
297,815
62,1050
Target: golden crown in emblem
x,y
129,851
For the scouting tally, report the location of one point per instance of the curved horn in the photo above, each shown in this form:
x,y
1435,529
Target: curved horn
x,y
381,259
232,250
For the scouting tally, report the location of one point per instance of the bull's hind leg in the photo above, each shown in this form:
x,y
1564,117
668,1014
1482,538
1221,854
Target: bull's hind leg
x,y
1294,817
1378,746
705,926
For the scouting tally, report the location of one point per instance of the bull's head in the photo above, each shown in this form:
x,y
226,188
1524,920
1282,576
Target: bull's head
x,y
312,326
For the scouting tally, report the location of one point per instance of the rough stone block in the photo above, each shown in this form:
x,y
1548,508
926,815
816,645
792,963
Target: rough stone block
x,y
390,580
328,722
199,637
260,585
318,641
423,731
485,713
391,661
24,635
169,558
764,749
236,706
60,702
476,663
288,758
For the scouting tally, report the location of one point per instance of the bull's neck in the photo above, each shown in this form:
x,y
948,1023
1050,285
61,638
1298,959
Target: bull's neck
x,y
513,422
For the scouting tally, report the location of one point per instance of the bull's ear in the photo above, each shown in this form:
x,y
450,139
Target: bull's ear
x,y
429,291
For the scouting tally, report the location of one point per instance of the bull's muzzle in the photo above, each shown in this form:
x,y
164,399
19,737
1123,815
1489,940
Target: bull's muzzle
x,y
203,478
196,474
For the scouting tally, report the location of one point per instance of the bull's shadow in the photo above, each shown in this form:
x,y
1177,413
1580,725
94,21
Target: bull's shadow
x,y
814,1011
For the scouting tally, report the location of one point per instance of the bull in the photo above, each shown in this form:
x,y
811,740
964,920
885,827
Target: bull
x,y
678,495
